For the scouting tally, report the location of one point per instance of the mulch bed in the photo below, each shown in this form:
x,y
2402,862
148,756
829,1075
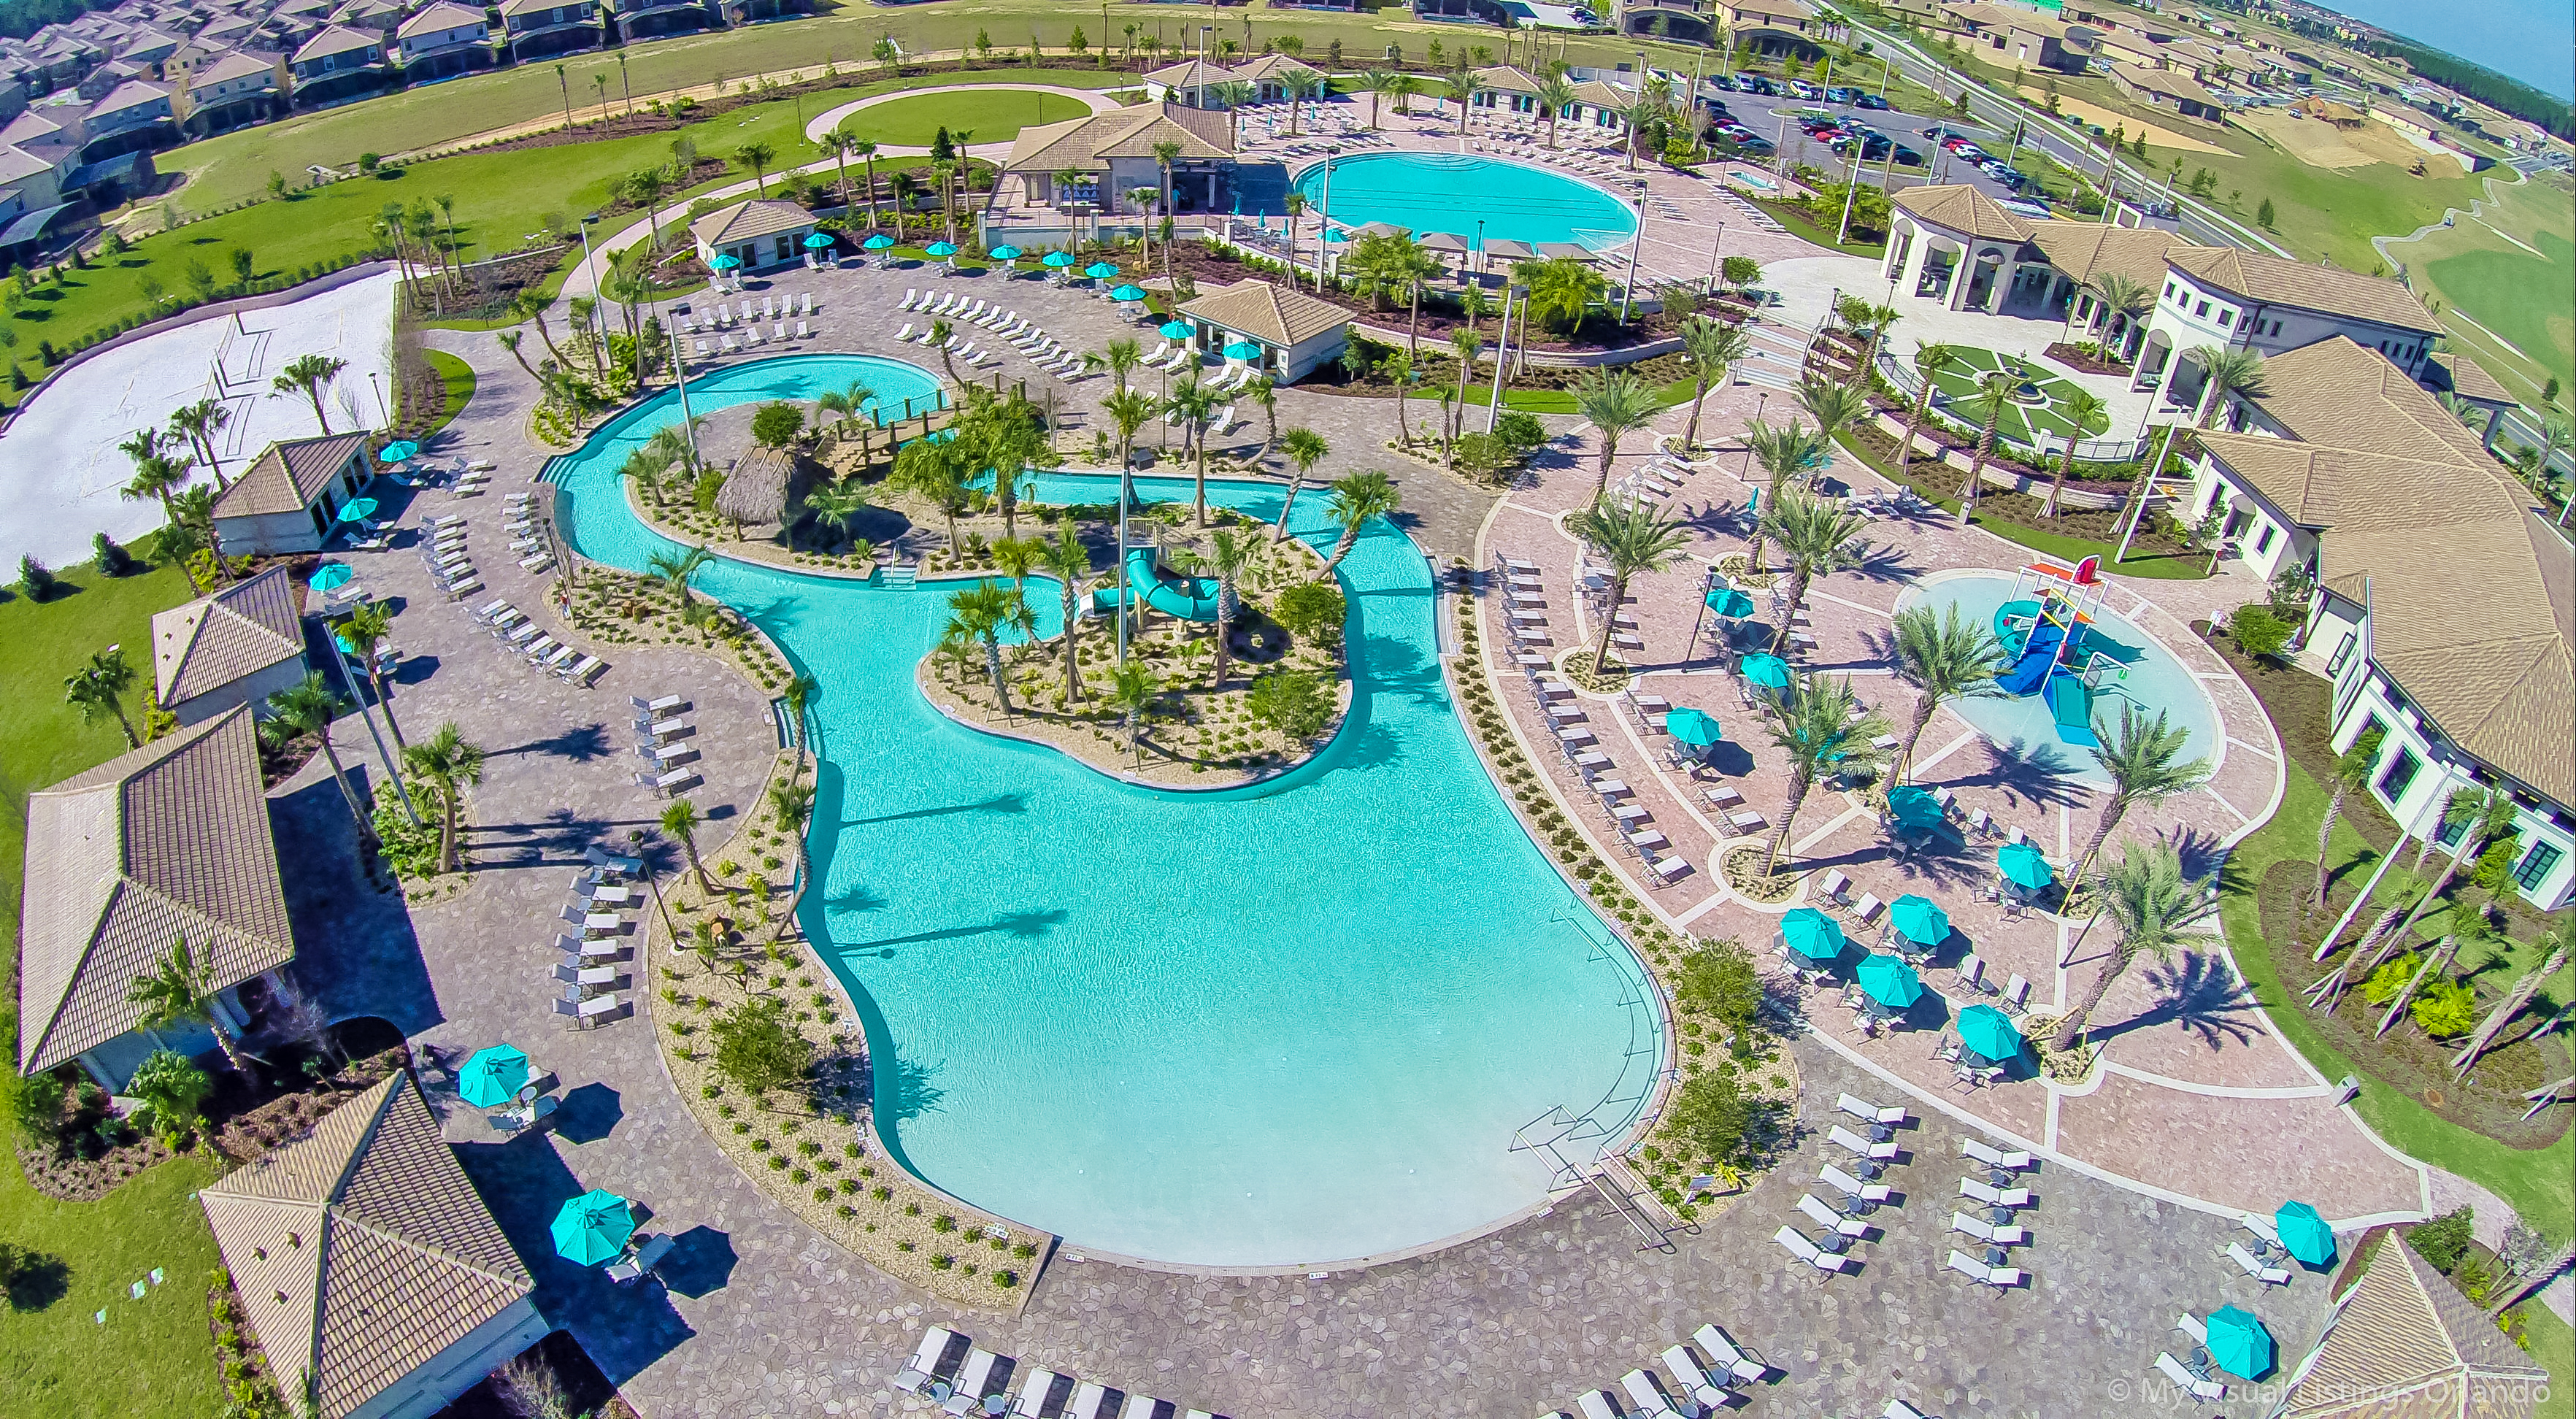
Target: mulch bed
x,y
586,1390
1940,480
2073,358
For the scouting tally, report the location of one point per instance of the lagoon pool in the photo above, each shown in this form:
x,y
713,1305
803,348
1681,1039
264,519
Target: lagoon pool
x,y
1456,192
1277,1026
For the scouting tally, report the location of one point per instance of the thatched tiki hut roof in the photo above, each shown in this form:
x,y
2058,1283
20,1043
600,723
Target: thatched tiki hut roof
x,y
757,489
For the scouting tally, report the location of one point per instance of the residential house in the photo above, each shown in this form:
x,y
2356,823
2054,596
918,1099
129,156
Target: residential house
x,y
1295,333
761,233
1774,27
164,842
2444,610
535,28
2413,122
442,40
236,647
339,64
2168,89
644,19
375,1278
1680,21
289,497
2024,38
230,90
1095,162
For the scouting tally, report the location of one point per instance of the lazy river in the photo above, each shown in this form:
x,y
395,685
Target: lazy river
x,y
1276,1026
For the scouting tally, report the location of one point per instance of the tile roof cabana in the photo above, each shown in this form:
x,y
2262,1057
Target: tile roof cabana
x,y
236,647
372,1272
288,498
2403,1343
1297,333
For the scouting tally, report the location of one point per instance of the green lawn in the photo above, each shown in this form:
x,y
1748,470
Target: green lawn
x,y
2153,566
993,116
458,379
2477,271
153,1356
1959,383
1795,219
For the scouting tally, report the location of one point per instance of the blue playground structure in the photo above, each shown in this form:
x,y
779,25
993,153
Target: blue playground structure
x,y
1189,597
2046,627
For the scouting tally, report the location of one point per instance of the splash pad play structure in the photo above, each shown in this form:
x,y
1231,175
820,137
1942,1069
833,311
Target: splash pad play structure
x,y
2046,627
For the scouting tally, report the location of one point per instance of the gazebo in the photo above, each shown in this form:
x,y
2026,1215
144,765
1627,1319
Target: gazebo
x,y
1295,333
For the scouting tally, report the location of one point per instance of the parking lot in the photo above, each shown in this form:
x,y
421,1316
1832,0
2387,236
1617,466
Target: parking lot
x,y
1780,120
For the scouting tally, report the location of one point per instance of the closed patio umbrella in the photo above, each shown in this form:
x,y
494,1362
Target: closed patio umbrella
x,y
2024,865
2239,1343
2304,1233
1989,1032
492,1076
1913,807
1769,671
1889,981
1695,727
593,1227
1812,934
1729,602
1919,920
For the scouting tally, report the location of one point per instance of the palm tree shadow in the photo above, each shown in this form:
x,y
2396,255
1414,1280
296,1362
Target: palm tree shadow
x,y
2200,994
580,743
858,898
999,803
1884,563
911,1092
2038,774
2201,853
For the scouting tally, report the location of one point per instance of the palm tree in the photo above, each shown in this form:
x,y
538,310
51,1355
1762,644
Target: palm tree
x,y
1630,537
1786,455
1016,558
933,469
1404,88
1133,687
1167,153
673,570
1305,448
1616,403
1264,395
1930,358
1071,562
449,763
1130,410
1398,369
1120,356
367,627
309,375
756,156
982,612
834,504
2230,370
98,689
2151,907
680,821
1464,345
1357,497
2144,759
867,153
177,991
2117,297
2085,410
2351,771
531,305
1818,536
1228,557
510,341
940,331
1949,658
198,423
1994,395
1196,404
158,476
1821,736
1556,93
1379,83
1463,87
2478,816
308,707
1834,404
1711,349
848,404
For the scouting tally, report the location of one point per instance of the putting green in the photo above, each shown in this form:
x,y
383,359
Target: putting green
x,y
990,115
1958,384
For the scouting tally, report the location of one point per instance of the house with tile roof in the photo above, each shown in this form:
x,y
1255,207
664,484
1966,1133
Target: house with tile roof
x,y
236,647
287,499
167,841
2444,604
338,64
1093,163
760,233
2223,297
376,1279
2173,90
535,28
443,38
230,89
2403,1343
1295,333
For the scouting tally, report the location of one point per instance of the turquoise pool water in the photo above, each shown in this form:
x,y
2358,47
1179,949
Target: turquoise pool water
x,y
1276,1026
2148,677
1453,192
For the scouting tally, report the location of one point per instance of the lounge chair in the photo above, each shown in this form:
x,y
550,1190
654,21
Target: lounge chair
x,y
911,298
1899,1409
1145,1406
1862,1109
582,671
1994,1196
1647,1396
1994,1157
1694,1381
1853,1187
2016,996
542,647
1037,1389
2185,1380
466,587
2269,1275
1844,1137
1596,1405
1824,1216
778,332
2002,1234
803,333
972,1377
1087,1399
929,1360
1999,1277
1713,1342
1807,1251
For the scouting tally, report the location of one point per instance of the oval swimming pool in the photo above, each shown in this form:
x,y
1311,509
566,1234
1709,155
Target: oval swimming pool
x,y
1278,1026
1454,192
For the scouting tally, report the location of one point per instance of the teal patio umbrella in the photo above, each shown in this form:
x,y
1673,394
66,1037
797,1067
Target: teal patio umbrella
x,y
1059,259
725,261
1889,981
1913,807
1100,270
941,248
1129,292
357,509
2024,865
1006,252
1769,671
1989,1032
877,242
593,1227
1243,350
332,576
2304,1233
2239,1343
492,1076
1812,934
816,241
1918,920
399,451
1176,330
1695,727
1729,602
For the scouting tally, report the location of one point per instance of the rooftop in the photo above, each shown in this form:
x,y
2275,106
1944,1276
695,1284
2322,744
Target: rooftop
x,y
214,640
1280,315
749,221
1086,143
288,475
2276,281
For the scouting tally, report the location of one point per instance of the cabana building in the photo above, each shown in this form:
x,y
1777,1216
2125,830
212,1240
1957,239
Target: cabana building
x,y
761,233
289,497
236,647
1294,333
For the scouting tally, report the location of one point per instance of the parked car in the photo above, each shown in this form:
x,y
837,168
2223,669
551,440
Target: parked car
x,y
1869,101
1908,158
1873,147
1805,90
1756,144
1818,127
1721,82
1838,94
1756,84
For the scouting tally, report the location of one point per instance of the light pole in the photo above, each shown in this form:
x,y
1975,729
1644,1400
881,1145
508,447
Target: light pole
x,y
383,416
1636,244
1503,348
588,262
1712,255
340,658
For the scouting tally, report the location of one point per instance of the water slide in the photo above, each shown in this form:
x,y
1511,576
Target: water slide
x,y
2038,654
2071,704
1190,597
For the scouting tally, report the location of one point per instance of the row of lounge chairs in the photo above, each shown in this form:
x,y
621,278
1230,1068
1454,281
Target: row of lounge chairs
x,y
963,1378
1992,1184
590,970
667,743
750,338
1050,355
1839,1223
525,638
1707,1380
725,317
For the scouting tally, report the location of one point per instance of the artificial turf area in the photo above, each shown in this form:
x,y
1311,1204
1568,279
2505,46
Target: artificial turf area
x,y
1958,384
988,115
